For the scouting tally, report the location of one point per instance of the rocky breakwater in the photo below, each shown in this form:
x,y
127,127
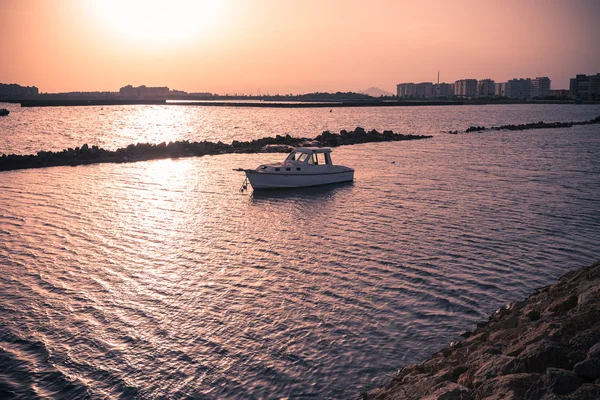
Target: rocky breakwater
x,y
546,347
147,151
533,125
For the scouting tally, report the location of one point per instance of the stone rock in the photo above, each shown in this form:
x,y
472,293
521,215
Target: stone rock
x,y
584,340
587,391
588,368
509,323
359,131
518,384
563,305
451,391
493,350
533,315
539,356
594,351
555,381
491,369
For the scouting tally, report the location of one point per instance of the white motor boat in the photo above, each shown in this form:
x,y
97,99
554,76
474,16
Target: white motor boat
x,y
304,166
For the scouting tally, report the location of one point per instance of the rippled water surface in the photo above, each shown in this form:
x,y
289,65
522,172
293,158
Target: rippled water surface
x,y
160,280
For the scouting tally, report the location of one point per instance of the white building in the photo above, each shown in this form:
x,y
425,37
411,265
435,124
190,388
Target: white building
x,y
444,89
518,89
142,92
465,88
486,88
540,87
424,90
406,90
500,89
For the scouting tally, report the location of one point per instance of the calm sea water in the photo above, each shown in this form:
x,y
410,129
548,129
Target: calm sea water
x,y
160,280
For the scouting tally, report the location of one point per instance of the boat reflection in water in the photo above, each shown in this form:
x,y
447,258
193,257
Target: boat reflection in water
x,y
303,167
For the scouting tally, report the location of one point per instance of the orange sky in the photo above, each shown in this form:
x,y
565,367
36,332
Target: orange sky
x,y
285,46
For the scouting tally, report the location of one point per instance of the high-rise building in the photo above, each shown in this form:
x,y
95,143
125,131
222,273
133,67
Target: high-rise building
x,y
144,92
586,86
443,90
14,91
424,90
500,89
518,88
540,87
465,88
486,88
594,87
579,86
406,90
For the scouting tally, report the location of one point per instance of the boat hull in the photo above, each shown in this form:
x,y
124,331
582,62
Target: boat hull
x,y
260,180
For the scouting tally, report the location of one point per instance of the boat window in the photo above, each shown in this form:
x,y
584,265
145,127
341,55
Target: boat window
x,y
312,159
288,169
320,158
301,157
298,169
276,169
292,156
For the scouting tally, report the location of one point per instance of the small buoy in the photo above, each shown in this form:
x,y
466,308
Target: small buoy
x,y
331,110
393,162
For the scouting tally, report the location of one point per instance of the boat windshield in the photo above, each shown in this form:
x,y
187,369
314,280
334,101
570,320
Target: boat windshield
x,y
301,157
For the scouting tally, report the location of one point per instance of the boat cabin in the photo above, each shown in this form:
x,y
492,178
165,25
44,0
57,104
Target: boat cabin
x,y
311,155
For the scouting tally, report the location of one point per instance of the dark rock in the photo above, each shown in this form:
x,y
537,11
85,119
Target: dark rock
x,y
509,323
594,351
492,368
555,381
515,384
451,391
533,315
539,356
587,391
588,368
563,305
493,350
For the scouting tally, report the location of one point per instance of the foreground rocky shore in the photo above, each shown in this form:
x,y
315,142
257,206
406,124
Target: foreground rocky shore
x,y
147,151
546,347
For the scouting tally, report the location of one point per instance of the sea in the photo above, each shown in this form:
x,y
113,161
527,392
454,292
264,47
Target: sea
x,y
160,279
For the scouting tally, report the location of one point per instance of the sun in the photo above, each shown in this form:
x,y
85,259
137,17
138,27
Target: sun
x,y
154,21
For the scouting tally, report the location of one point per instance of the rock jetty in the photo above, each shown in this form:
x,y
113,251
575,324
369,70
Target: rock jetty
x,y
546,347
533,125
147,151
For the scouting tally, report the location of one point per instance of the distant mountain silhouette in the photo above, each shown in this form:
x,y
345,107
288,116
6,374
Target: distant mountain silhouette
x,y
376,92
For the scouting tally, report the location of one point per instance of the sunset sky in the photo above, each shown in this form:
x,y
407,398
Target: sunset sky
x,y
281,46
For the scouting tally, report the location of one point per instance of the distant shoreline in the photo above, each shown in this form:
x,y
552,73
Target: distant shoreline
x,y
271,104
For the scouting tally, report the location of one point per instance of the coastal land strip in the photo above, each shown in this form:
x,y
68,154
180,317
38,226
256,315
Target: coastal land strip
x,y
545,347
147,151
272,103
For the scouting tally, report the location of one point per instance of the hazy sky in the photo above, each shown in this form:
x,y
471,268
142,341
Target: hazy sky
x,y
285,46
